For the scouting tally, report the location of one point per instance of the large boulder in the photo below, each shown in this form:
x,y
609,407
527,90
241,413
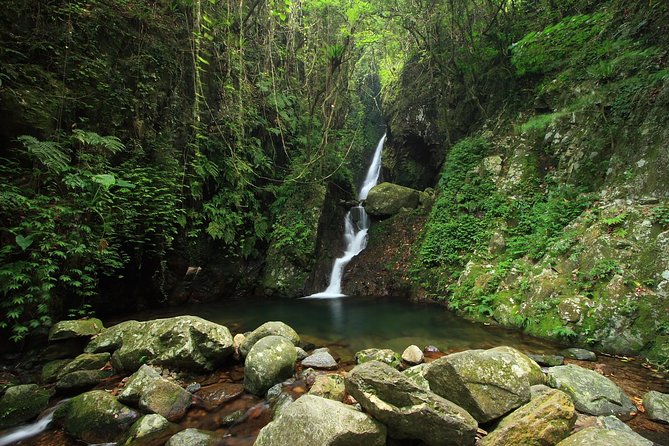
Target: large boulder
x,y
408,411
596,436
657,405
82,328
183,342
486,383
272,328
545,420
527,364
270,360
85,361
388,199
312,420
416,375
150,430
137,384
592,393
195,437
95,417
22,403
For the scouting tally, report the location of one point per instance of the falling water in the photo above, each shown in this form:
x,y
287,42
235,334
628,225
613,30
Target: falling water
x,y
29,430
356,225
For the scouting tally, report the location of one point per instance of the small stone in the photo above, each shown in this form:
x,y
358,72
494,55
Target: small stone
x,y
657,405
412,355
431,349
329,386
320,360
547,360
579,354
195,437
301,354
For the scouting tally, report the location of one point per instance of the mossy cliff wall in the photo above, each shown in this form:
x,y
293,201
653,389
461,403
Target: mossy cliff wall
x,y
553,215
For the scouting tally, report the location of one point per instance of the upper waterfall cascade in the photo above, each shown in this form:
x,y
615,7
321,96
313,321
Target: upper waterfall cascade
x,y
356,225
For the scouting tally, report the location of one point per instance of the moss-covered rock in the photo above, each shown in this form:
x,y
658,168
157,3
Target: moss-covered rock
x,y
271,360
384,355
657,406
595,436
194,437
386,199
95,417
165,398
81,328
52,369
85,361
22,403
137,384
545,420
150,430
416,375
312,420
81,379
329,386
272,328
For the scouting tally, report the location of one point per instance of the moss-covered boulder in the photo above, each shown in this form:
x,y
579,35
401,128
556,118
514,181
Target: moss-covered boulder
x,y
81,380
81,328
416,375
22,403
138,383
388,199
409,412
595,436
272,328
486,383
195,437
52,369
95,417
656,405
527,364
312,420
545,420
166,398
85,361
384,355
270,360
186,342
592,393
329,386
150,430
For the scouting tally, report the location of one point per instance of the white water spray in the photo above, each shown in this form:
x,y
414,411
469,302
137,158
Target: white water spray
x,y
29,430
356,225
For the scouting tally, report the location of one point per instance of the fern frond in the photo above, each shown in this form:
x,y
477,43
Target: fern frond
x,y
110,143
49,153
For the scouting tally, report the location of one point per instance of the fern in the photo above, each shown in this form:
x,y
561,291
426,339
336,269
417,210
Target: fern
x,y
110,143
49,153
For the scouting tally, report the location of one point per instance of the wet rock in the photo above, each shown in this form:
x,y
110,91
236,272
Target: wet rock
x,y
487,384
85,361
231,418
52,369
409,412
194,437
385,355
416,375
138,383
187,342
579,353
309,376
82,380
320,360
529,367
595,436
217,394
312,420
388,199
22,403
150,430
329,386
7,380
82,328
592,393
274,328
547,360
270,360
412,355
166,398
657,406
95,417
545,420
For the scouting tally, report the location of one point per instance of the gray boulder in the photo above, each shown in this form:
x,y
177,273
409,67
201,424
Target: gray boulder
x,y
150,430
273,328
579,353
657,405
195,437
270,360
527,364
388,199
384,355
147,389
186,342
82,379
320,360
546,360
486,383
416,375
409,412
592,393
95,417
22,403
595,436
545,420
82,328
312,420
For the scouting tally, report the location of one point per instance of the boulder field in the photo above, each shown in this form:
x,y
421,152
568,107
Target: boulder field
x,y
493,397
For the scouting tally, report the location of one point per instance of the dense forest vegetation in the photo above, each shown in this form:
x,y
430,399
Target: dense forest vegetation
x,y
140,138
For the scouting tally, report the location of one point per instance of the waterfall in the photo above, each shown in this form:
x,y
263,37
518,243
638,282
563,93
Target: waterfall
x,y
356,225
29,430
